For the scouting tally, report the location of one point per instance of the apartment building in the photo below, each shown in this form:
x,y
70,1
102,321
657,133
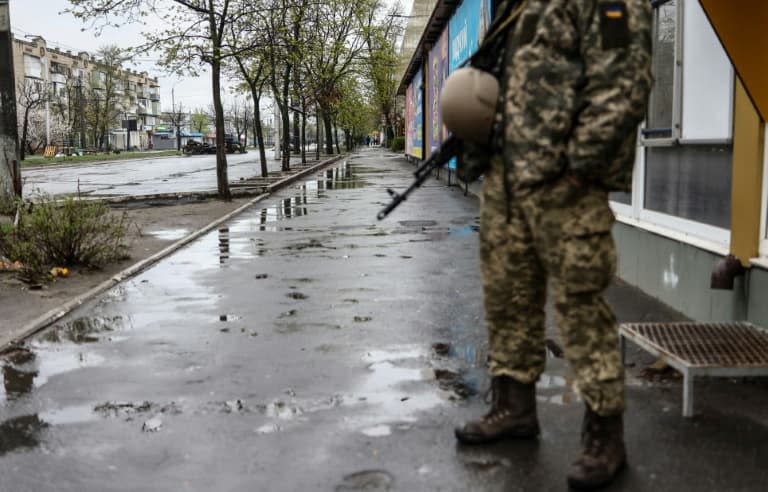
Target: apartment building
x,y
81,76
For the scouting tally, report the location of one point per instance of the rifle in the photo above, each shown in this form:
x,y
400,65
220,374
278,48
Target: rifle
x,y
445,153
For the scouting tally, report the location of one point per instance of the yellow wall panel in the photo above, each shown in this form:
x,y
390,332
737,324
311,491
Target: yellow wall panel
x,y
741,27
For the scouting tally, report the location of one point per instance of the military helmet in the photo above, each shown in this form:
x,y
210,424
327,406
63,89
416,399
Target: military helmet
x,y
468,103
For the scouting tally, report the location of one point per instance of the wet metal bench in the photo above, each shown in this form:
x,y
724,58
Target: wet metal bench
x,y
732,349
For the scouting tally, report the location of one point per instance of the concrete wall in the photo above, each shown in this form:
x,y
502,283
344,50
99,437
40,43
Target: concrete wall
x,y
678,274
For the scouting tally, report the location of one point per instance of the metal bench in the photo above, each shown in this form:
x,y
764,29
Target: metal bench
x,y
732,349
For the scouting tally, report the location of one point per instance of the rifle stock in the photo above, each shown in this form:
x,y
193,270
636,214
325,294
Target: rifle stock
x,y
448,150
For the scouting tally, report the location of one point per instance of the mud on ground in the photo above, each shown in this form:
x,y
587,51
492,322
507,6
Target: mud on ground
x,y
154,225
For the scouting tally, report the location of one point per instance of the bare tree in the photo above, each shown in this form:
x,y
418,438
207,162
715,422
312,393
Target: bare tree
x,y
176,117
193,33
31,96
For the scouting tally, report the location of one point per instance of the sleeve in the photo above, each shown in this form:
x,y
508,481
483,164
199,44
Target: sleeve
x,y
615,45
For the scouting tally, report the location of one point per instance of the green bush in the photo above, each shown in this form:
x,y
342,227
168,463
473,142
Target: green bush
x,y
68,233
398,144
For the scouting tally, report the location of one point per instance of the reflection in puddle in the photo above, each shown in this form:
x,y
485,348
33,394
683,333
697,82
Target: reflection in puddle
x,y
342,176
54,362
223,245
20,432
82,330
377,431
169,234
69,415
18,373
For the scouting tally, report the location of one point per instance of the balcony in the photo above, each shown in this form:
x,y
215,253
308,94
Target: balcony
x,y
154,95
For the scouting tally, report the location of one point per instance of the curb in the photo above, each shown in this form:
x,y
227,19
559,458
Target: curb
x,y
15,338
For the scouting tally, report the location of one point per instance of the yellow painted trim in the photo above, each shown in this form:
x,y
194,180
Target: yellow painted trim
x,y
747,177
741,27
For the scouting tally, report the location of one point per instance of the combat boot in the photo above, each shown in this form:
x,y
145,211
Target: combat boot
x,y
512,414
603,454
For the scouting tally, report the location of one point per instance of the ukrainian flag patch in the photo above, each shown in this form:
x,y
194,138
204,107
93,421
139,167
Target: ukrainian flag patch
x,y
614,12
614,25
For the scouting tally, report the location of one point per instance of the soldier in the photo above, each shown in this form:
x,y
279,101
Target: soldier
x,y
574,82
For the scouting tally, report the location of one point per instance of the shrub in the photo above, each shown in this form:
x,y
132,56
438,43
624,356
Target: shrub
x,y
68,233
398,144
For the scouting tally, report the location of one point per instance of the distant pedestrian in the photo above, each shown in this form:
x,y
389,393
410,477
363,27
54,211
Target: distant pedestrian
x,y
574,83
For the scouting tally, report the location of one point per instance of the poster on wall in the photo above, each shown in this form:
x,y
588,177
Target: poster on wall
x,y
409,120
417,142
465,32
438,72
466,29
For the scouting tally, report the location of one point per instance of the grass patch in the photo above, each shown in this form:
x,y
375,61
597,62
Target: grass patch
x,y
38,160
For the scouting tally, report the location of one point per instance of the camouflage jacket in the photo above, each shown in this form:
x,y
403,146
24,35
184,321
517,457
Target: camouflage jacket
x,y
577,75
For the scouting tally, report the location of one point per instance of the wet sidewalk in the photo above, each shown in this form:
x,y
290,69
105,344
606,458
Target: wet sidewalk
x,y
306,346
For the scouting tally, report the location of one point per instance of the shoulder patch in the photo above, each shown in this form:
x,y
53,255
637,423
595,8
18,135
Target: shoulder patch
x,y
614,25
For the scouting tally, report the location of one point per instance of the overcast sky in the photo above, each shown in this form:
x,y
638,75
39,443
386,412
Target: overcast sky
x,y
44,18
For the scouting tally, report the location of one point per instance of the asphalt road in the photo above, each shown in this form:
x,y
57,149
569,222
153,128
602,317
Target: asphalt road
x,y
305,346
195,173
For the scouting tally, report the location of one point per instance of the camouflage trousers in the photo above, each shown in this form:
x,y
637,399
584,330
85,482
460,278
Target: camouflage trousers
x,y
558,234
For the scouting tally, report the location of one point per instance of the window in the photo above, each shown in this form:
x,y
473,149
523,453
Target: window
x,y
33,67
691,182
682,185
661,117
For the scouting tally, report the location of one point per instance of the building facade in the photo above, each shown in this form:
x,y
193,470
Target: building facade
x,y
77,82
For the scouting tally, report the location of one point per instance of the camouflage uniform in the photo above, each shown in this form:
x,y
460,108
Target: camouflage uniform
x,y
576,78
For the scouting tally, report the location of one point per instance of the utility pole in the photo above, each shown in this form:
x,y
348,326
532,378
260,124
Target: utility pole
x,y
10,169
176,118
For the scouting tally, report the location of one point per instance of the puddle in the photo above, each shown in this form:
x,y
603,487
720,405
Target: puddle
x,y
377,431
368,480
418,223
82,330
268,429
169,234
69,415
295,327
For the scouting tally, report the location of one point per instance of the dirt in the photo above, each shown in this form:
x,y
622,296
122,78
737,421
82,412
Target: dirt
x,y
153,226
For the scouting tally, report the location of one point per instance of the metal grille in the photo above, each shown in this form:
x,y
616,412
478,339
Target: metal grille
x,y
706,344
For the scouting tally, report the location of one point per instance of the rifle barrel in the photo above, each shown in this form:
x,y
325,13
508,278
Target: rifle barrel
x,y
442,155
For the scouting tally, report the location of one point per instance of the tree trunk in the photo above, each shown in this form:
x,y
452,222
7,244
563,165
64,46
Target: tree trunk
x,y
317,132
328,134
222,180
259,136
24,131
336,138
389,127
303,132
296,129
286,121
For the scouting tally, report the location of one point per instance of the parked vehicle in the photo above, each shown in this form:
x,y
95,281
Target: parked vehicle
x,y
232,144
195,147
